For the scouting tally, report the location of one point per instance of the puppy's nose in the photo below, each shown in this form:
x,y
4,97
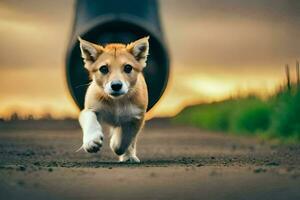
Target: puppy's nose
x,y
116,85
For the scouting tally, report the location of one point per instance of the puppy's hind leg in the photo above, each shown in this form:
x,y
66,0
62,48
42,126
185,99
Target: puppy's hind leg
x,y
92,131
123,141
130,153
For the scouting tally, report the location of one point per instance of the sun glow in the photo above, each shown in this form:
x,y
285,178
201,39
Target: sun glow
x,y
188,88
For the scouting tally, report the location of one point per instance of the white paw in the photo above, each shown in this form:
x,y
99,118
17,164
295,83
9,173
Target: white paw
x,y
129,159
92,142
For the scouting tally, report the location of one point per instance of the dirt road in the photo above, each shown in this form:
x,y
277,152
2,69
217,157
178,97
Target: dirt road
x,y
177,163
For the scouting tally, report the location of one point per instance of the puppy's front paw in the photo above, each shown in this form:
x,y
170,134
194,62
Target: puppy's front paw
x,y
93,142
129,159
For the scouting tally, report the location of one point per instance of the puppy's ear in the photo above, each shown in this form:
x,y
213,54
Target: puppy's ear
x,y
140,50
89,51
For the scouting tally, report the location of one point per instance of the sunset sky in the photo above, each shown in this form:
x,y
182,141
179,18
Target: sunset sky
x,y
218,49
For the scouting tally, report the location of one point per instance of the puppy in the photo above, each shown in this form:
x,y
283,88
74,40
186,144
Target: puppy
x,y
116,97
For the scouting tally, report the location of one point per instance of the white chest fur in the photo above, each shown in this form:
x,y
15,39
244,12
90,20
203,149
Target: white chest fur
x,y
119,113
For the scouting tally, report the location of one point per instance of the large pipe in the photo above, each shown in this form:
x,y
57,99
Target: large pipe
x,y
106,21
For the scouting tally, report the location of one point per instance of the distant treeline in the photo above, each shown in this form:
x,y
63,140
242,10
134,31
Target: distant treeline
x,y
275,117
46,117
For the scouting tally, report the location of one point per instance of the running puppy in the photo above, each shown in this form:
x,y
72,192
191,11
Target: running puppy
x,y
117,96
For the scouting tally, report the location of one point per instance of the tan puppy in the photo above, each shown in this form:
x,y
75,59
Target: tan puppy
x,y
117,96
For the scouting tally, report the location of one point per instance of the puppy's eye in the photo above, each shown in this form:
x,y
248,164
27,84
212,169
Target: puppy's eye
x,y
127,68
103,69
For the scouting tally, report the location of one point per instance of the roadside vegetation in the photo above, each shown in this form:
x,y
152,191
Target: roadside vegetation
x,y
277,117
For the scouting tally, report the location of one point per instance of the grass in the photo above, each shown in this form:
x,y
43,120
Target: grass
x,y
277,117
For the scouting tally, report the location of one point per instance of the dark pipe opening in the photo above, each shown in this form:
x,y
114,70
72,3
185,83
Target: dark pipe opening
x,y
121,28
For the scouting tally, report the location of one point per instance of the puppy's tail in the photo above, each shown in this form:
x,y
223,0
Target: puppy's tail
x,y
80,148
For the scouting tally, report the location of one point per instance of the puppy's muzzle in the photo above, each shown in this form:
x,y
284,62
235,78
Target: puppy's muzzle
x,y
116,88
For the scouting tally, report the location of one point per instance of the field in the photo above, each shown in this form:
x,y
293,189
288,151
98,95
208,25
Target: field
x,y
38,161
276,117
